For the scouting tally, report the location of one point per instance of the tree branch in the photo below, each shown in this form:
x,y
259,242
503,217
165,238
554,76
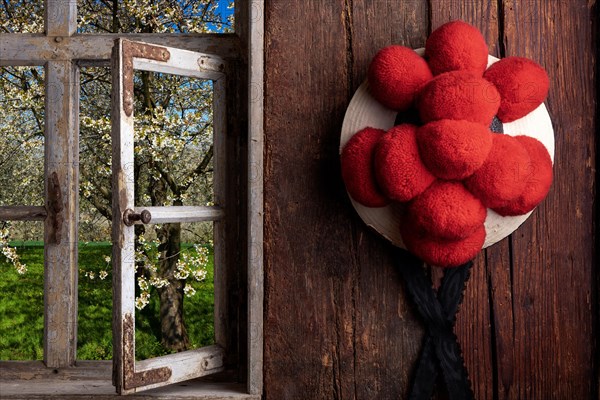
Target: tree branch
x,y
201,168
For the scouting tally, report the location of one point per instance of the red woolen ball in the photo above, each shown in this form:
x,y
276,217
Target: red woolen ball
x,y
395,76
446,210
539,182
504,174
398,166
522,83
456,46
440,252
452,149
458,95
357,168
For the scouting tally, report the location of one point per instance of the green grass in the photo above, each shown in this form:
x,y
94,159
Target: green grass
x,y
22,309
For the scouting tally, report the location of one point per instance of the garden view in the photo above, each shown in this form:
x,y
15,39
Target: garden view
x,y
173,167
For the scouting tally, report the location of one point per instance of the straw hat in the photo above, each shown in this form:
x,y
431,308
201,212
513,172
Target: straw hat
x,y
389,218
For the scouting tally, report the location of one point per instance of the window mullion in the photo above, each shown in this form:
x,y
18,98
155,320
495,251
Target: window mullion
x,y
60,17
255,21
61,189
60,228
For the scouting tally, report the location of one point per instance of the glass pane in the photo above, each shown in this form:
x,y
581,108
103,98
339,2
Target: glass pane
x,y
94,333
95,155
22,288
173,140
22,136
21,16
175,288
160,16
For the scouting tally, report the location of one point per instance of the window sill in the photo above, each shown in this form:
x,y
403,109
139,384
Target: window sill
x,y
104,390
92,380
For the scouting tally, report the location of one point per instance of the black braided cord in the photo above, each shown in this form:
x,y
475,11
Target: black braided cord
x,y
441,350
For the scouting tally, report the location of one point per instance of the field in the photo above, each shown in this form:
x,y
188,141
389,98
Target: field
x,y
22,308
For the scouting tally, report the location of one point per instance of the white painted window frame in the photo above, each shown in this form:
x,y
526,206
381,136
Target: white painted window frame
x,y
62,51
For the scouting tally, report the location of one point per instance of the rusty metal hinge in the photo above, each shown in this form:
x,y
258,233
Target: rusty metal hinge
x,y
54,208
132,378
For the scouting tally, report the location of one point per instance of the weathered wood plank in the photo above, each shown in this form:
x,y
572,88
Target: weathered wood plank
x,y
35,49
123,251
220,199
387,332
60,17
23,213
92,379
61,191
163,215
518,340
185,62
185,365
551,275
310,263
62,202
33,370
255,18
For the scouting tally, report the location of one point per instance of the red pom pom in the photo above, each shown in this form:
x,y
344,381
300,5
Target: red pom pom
x,y
456,46
539,182
458,95
395,76
454,149
522,83
398,166
446,210
443,253
357,168
503,175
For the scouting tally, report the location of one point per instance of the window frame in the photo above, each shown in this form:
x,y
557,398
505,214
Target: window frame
x,y
131,376
62,52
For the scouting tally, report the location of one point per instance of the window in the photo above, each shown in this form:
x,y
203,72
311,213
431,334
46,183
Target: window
x,y
233,65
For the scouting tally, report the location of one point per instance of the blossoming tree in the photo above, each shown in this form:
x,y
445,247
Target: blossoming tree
x,y
173,145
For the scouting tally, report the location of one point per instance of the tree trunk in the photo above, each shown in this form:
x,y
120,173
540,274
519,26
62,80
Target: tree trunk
x,y
173,333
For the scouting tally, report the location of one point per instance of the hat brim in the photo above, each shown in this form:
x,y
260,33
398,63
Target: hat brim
x,y
364,111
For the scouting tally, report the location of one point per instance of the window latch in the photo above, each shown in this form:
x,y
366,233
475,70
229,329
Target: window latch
x,y
130,217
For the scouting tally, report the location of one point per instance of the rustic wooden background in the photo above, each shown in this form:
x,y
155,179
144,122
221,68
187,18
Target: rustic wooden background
x,y
338,325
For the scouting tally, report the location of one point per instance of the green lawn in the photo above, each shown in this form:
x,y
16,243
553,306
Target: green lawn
x,y
22,309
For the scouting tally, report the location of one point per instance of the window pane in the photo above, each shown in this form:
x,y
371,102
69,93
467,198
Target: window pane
x,y
22,136
95,155
94,331
21,16
173,140
175,288
161,16
94,335
22,288
184,124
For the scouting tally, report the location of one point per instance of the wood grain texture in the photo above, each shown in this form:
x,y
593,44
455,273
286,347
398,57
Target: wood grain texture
x,y
337,324
61,161
551,256
23,213
95,49
309,266
387,334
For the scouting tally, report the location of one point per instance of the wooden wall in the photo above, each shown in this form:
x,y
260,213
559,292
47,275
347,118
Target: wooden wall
x,y
337,323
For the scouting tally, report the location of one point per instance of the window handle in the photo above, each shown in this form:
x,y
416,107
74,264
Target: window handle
x,y
130,216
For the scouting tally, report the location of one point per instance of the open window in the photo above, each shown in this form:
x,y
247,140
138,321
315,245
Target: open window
x,y
130,375
233,217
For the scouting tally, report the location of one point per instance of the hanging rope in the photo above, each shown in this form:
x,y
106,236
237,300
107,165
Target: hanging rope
x,y
441,350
